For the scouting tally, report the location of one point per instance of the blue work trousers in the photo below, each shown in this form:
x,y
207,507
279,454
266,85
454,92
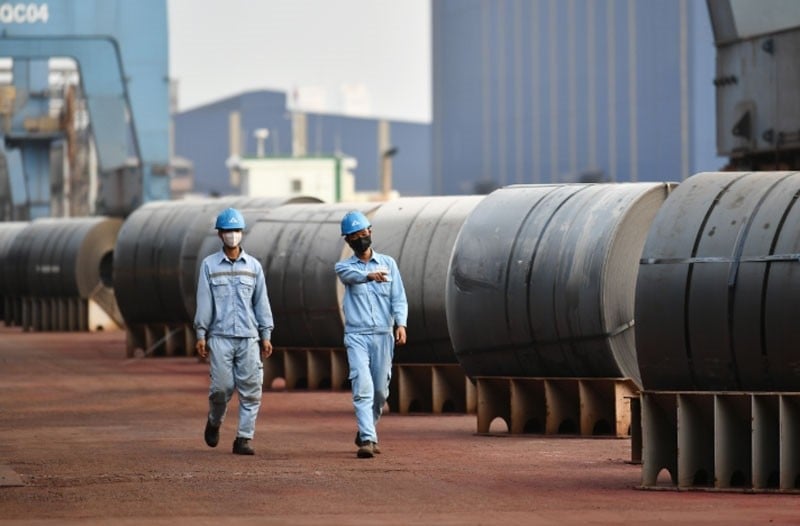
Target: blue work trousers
x,y
235,362
370,359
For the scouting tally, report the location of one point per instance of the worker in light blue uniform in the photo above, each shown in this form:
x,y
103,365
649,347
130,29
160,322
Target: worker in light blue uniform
x,y
375,314
233,323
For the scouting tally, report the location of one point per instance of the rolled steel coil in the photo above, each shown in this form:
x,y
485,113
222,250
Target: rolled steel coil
x,y
542,280
8,231
298,246
203,228
717,293
157,253
64,257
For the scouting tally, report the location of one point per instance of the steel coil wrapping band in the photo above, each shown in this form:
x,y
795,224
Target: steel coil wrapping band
x,y
542,280
420,232
717,295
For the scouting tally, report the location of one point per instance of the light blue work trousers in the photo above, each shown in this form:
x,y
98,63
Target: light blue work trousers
x,y
370,359
235,362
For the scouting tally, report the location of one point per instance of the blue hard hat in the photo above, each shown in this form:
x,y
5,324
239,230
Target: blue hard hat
x,y
353,222
230,219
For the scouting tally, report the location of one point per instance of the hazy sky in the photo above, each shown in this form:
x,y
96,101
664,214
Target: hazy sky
x,y
357,57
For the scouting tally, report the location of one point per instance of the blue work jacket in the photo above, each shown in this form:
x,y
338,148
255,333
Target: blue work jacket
x,y
372,306
232,298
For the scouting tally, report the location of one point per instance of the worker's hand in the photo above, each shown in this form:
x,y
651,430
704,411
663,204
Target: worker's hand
x,y
378,276
400,335
266,349
200,347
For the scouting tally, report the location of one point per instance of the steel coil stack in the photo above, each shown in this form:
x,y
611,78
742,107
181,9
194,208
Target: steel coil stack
x,y
196,247
717,295
298,246
419,233
155,269
152,234
11,305
542,280
60,268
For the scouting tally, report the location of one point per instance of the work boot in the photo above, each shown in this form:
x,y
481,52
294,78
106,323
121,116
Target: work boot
x,y
365,450
241,446
212,434
359,443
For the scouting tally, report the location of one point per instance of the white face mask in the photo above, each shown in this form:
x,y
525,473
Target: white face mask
x,y
231,239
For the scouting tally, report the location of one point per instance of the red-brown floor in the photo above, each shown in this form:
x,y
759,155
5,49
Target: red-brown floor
x,y
95,438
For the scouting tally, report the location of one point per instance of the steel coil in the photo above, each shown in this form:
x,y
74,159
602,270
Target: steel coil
x,y
542,280
716,299
157,253
8,232
65,258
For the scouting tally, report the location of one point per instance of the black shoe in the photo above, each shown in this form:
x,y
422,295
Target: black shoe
x,y
358,439
211,434
241,446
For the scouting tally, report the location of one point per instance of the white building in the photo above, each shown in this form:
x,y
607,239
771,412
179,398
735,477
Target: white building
x,y
329,178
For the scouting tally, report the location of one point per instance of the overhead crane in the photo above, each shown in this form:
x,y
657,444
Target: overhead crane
x,y
120,49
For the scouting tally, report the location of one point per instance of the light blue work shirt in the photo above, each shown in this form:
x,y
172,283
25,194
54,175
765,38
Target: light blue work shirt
x,y
232,298
372,306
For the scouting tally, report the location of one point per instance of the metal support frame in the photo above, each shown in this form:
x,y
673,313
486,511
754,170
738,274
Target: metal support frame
x,y
721,441
556,406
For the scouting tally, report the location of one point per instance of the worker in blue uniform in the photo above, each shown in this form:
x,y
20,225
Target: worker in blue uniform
x,y
233,323
375,314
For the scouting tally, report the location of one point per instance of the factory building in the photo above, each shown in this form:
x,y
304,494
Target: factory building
x,y
547,91
259,123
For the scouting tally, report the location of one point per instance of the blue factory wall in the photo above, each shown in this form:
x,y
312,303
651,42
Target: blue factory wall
x,y
355,137
202,136
412,163
560,91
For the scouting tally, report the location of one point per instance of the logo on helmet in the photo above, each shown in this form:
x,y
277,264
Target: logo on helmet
x,y
230,219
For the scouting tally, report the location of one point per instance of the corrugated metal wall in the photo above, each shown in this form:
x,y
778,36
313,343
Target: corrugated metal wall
x,y
537,91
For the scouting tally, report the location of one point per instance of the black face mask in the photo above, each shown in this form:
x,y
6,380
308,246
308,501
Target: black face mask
x,y
360,244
